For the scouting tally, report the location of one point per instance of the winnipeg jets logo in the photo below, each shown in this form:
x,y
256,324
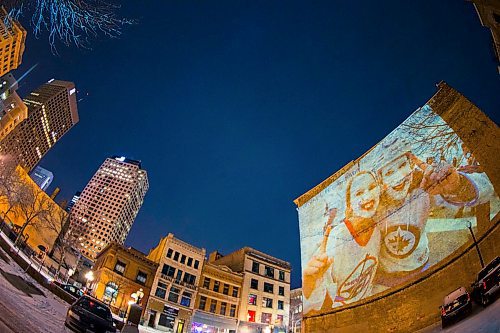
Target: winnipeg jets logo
x,y
356,284
401,241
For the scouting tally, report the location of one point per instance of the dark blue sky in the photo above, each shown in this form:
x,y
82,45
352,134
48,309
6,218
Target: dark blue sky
x,y
237,108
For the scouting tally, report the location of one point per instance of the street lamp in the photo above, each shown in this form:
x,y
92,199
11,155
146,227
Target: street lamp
x,y
469,225
70,273
89,276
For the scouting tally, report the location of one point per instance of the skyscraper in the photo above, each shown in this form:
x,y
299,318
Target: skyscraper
x,y
12,39
52,111
12,109
108,205
42,177
73,201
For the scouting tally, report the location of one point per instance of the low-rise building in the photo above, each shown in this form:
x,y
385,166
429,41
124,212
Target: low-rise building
x,y
295,310
171,304
265,295
120,274
217,302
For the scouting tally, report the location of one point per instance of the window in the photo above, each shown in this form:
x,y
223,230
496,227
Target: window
x,y
268,287
169,253
110,292
196,264
281,276
269,271
186,298
179,276
280,305
267,302
251,316
223,307
281,291
213,305
206,283
183,259
141,277
203,302
120,267
255,267
189,279
173,296
225,291
232,310
176,256
168,270
216,286
254,284
161,290
265,318
252,299
190,262
279,320
235,291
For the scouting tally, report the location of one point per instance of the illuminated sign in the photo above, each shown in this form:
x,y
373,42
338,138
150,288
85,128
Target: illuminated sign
x,y
391,215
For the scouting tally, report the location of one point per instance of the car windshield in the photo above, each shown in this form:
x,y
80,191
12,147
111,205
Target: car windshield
x,y
488,268
96,308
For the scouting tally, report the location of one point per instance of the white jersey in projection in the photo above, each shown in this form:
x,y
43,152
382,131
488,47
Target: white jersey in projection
x,y
350,277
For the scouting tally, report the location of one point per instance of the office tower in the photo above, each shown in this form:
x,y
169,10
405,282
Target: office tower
x,y
12,39
12,108
42,177
52,111
73,201
108,205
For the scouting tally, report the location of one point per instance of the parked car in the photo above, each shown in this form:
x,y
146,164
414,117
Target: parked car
x,y
456,304
90,315
70,289
487,283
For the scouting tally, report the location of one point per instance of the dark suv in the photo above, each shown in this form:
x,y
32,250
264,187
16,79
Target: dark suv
x,y
487,283
89,314
454,305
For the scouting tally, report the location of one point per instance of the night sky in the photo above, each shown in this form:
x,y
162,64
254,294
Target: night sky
x,y
238,107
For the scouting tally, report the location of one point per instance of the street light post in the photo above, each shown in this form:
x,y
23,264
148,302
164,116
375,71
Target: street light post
x,y
469,225
89,276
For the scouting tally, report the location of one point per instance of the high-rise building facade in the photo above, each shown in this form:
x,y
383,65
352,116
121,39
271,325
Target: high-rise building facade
x,y
265,294
52,111
12,109
73,201
489,14
295,310
42,177
171,302
108,205
12,40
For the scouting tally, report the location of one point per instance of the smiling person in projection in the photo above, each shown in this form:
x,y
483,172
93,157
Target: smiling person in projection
x,y
343,267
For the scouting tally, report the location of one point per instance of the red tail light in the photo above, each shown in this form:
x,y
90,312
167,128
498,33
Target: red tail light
x,y
484,285
443,312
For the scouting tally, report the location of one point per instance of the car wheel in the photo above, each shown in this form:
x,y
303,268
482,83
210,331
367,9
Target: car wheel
x,y
485,300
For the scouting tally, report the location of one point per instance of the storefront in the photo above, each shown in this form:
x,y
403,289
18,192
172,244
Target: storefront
x,y
204,322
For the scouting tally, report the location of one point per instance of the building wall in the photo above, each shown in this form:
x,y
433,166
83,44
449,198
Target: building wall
x,y
173,259
127,283
295,310
38,232
229,289
489,14
12,43
415,305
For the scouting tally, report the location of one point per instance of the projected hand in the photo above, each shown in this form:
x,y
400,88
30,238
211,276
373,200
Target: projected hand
x,y
314,271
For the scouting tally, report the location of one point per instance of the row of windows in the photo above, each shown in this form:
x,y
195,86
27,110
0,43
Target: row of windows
x,y
183,259
268,271
266,302
174,294
223,309
216,287
140,278
177,275
265,318
268,287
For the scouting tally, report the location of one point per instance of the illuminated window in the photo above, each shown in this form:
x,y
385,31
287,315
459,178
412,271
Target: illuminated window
x,y
235,291
252,299
265,318
225,291
251,316
223,307
141,277
279,320
119,267
216,286
232,310
173,296
186,298
267,302
161,290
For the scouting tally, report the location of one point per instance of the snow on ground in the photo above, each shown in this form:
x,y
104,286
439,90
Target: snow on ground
x,y
26,306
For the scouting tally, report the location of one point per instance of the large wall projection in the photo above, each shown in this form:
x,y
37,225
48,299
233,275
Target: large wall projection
x,y
385,219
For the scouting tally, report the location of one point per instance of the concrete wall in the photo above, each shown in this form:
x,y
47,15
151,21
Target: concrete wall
x,y
415,305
